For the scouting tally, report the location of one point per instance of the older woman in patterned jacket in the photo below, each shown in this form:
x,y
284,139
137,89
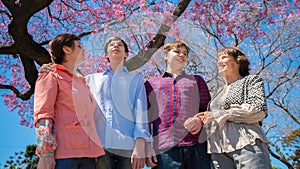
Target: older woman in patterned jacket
x,y
235,138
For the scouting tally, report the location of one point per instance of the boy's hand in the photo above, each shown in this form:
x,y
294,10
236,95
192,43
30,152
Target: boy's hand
x,y
138,154
193,125
47,68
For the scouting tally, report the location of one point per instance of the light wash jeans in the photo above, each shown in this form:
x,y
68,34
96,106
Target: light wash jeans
x,y
249,157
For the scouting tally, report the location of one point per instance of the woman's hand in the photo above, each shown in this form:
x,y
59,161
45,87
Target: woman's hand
x,y
46,162
206,117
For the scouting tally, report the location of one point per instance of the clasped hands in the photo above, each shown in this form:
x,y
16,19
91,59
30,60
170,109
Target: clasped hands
x,y
195,123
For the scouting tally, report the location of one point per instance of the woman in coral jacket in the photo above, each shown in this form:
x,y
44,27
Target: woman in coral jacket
x,y
64,111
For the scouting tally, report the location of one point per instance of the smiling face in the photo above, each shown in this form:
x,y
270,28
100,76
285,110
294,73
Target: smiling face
x,y
232,62
176,58
227,65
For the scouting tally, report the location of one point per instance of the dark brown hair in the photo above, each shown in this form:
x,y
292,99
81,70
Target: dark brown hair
x,y
56,46
239,57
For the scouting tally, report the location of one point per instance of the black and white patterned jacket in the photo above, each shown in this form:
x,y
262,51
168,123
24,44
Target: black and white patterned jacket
x,y
250,90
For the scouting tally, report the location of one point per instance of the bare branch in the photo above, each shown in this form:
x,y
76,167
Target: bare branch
x,y
285,109
281,156
269,128
283,82
207,30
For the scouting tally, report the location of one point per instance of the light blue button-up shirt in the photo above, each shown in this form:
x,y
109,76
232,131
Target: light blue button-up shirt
x,y
122,100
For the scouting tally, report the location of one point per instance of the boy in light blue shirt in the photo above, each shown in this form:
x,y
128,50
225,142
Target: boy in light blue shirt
x,y
121,97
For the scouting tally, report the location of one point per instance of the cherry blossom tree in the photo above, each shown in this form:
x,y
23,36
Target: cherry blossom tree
x,y
28,25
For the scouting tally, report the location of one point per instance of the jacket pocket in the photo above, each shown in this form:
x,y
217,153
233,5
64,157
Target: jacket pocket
x,y
77,138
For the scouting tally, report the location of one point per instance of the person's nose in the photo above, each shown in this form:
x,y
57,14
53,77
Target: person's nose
x,y
116,45
182,55
219,60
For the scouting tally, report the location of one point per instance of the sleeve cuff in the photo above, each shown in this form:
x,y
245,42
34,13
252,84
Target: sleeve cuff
x,y
146,135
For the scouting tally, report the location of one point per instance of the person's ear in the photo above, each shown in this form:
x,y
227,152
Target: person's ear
x,y
66,49
126,55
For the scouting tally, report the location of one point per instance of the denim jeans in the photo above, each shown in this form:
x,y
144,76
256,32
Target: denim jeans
x,y
75,163
114,159
249,157
186,157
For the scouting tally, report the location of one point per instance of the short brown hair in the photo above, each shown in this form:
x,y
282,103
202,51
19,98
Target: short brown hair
x,y
56,46
239,57
115,38
171,45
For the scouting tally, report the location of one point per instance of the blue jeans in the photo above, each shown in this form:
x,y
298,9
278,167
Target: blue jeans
x,y
186,157
114,159
249,157
75,163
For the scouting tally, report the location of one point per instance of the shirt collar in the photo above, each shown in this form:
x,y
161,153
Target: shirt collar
x,y
108,70
167,74
62,68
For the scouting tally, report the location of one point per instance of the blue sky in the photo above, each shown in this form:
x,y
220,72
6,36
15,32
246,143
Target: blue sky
x,y
14,137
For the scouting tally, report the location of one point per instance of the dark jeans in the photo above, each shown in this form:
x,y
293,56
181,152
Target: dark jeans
x,y
114,159
75,163
186,157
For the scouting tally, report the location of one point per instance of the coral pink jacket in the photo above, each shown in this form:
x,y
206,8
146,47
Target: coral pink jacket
x,y
66,99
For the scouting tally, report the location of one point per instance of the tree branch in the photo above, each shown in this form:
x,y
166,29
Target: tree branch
x,y
24,45
283,82
31,73
8,50
281,157
25,96
144,55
